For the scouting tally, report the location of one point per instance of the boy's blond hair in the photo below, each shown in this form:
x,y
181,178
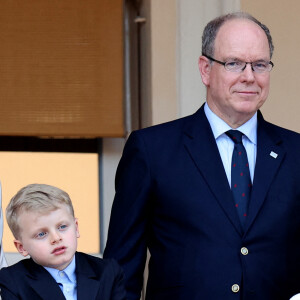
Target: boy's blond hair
x,y
41,198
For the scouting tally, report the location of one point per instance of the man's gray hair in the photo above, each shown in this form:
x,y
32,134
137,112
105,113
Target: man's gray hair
x,y
212,28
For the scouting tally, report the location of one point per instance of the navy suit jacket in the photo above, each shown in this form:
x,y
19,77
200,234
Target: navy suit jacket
x,y
97,279
173,197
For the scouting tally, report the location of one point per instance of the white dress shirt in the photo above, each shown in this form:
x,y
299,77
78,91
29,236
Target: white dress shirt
x,y
226,145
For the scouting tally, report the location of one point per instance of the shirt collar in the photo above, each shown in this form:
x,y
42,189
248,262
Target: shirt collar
x,y
69,271
219,126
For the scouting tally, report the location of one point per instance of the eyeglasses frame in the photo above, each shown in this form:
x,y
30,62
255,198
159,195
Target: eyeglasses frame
x,y
246,62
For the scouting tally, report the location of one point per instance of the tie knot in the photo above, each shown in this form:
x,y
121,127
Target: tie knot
x,y
235,135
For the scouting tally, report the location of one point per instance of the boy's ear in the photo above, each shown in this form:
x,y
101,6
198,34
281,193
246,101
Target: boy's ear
x,y
77,229
20,248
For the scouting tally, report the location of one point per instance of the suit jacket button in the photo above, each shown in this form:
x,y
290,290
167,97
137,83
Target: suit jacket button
x,y
235,288
244,251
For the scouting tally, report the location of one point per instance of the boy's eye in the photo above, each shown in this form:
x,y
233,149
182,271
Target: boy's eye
x,y
41,235
62,227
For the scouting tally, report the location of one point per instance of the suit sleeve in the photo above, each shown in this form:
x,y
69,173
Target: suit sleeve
x,y
6,294
127,235
8,286
118,291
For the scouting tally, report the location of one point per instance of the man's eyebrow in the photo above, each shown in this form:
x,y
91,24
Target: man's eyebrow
x,y
239,59
232,58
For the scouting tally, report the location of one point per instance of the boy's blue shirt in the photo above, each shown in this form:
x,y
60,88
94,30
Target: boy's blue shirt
x,y
66,279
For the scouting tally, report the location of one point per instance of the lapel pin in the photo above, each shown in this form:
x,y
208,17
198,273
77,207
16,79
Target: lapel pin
x,y
273,154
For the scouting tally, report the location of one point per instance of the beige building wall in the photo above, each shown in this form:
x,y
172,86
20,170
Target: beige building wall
x,y
171,46
283,20
163,26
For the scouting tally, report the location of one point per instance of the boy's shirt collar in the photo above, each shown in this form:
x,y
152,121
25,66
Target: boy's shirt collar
x,y
69,272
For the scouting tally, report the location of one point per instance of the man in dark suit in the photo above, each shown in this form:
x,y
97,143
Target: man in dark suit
x,y
41,218
176,186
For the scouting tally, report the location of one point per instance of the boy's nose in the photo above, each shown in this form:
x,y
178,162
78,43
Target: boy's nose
x,y
55,238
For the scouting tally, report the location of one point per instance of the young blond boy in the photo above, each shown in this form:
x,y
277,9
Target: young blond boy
x,y
41,218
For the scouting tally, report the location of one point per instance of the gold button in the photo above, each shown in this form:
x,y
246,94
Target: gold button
x,y
235,288
244,251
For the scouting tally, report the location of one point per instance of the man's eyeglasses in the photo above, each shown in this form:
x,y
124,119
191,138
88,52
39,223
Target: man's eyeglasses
x,y
235,65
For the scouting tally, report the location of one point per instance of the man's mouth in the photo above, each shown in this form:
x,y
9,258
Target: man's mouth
x,y
247,92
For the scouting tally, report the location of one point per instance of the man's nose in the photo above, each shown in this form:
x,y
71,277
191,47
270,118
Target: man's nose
x,y
248,73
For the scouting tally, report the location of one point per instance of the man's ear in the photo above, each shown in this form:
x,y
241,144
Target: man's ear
x,y
20,248
204,68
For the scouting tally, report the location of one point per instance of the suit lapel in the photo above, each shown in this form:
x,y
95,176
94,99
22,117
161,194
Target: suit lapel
x,y
87,283
47,288
201,145
268,160
43,283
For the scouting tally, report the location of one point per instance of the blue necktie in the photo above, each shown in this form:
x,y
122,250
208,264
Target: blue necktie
x,y
240,176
